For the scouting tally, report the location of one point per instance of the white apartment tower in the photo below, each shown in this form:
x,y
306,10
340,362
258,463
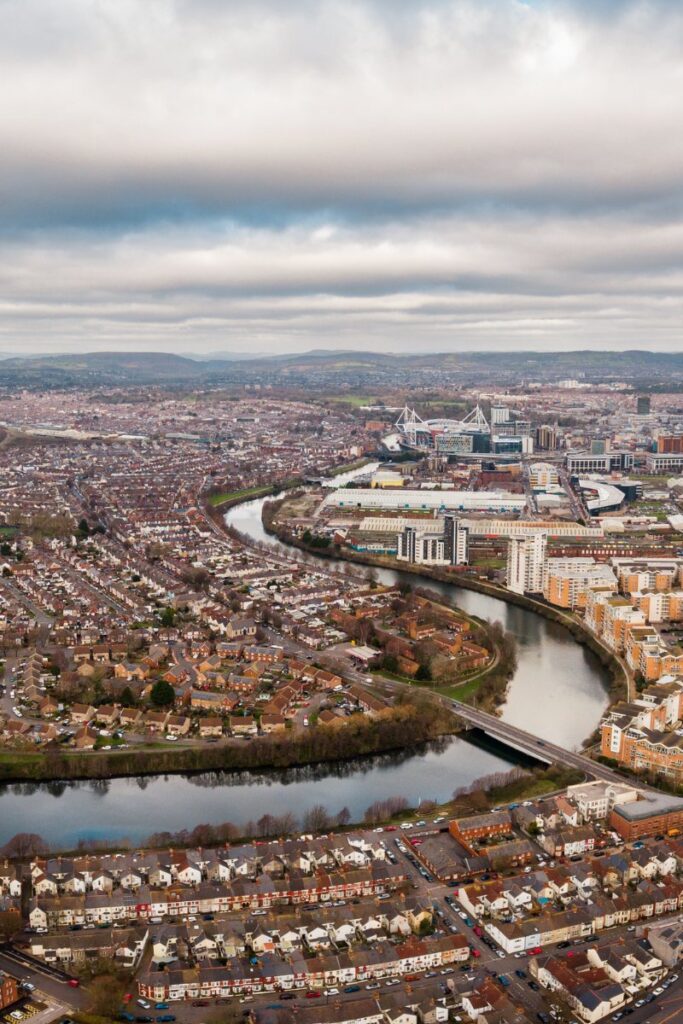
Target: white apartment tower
x,y
526,563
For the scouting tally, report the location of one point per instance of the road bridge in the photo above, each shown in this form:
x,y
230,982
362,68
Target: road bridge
x,y
542,750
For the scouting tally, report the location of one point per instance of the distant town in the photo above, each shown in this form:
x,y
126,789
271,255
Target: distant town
x,y
230,577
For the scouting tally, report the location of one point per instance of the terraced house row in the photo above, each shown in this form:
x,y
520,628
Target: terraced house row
x,y
382,960
567,901
147,886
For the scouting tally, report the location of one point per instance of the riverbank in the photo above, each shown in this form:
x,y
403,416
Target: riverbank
x,y
226,500
557,685
618,686
481,794
349,467
412,721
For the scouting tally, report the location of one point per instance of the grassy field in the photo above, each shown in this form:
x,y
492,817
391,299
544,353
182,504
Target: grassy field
x,y
355,400
464,691
248,492
489,562
19,757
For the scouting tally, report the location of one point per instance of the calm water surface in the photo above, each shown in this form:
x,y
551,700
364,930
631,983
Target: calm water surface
x,y
558,692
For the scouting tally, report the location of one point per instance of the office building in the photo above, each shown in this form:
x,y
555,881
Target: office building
x,y
668,462
591,462
643,405
499,414
670,444
455,444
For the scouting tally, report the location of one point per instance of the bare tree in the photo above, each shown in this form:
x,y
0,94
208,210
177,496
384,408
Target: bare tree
x,y
343,817
316,819
25,844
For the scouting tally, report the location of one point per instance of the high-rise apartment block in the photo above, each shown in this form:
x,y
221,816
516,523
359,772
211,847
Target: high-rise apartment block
x,y
526,563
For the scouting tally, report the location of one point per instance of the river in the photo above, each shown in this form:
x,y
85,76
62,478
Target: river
x,y
558,692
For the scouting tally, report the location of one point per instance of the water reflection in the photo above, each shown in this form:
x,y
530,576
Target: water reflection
x,y
134,807
558,691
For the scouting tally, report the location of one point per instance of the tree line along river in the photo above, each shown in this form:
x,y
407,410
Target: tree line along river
x,y
558,692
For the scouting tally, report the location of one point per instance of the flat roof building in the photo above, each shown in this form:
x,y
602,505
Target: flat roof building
x,y
426,500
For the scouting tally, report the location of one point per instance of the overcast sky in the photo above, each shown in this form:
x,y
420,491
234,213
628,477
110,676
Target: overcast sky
x,y
210,176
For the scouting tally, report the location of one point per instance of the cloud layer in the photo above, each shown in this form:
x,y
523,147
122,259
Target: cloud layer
x,y
260,176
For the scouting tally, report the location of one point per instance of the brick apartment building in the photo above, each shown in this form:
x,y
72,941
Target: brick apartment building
x,y
9,990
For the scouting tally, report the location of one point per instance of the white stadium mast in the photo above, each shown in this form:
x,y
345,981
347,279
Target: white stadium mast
x,y
409,423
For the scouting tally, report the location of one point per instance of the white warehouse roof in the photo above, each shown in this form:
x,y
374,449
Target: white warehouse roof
x,y
482,501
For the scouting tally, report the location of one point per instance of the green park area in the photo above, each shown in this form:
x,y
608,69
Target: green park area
x,y
247,492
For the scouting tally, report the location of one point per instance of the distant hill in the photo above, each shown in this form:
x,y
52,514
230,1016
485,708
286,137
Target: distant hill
x,y
161,364
640,368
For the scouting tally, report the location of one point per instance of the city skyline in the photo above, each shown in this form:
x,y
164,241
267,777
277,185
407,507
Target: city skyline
x,y
438,176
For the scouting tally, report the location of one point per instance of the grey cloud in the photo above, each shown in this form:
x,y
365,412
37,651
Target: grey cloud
x,y
189,172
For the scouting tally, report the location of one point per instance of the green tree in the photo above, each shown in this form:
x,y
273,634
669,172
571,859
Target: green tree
x,y
167,617
163,694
